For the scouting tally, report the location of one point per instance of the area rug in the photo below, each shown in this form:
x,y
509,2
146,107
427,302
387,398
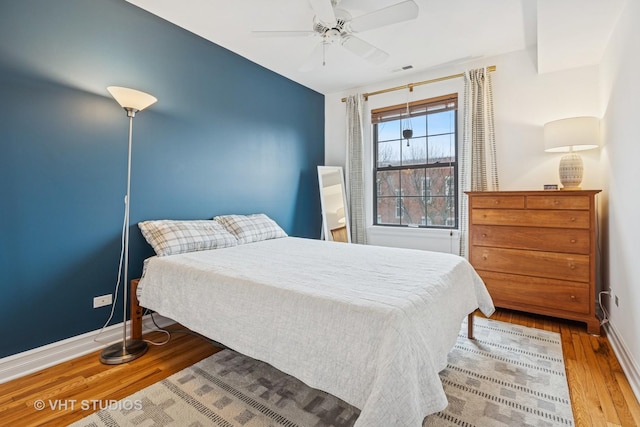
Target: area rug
x,y
508,376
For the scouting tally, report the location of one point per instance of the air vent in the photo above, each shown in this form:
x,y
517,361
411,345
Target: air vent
x,y
405,68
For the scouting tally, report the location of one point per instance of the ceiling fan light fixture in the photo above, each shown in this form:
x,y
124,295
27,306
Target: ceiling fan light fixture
x,y
332,24
331,35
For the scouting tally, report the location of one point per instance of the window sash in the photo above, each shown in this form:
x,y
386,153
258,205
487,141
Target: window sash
x,y
416,108
447,203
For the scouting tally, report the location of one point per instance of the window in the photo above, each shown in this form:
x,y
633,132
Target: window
x,y
416,178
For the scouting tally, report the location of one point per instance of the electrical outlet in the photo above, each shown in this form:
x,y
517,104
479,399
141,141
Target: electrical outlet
x,y
101,301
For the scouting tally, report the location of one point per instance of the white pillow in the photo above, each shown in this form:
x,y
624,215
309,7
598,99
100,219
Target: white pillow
x,y
251,228
169,237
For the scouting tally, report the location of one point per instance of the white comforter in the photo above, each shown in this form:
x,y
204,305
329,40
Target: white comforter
x,y
370,325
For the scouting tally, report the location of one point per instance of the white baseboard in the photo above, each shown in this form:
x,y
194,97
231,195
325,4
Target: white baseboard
x,y
27,362
629,366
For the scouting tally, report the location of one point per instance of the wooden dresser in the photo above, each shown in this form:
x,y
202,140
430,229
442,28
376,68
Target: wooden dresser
x,y
536,251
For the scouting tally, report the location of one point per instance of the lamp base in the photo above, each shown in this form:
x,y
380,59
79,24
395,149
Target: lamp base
x,y
570,171
571,188
117,354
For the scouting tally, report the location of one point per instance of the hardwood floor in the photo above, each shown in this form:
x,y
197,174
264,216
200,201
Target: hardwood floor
x,y
65,388
600,393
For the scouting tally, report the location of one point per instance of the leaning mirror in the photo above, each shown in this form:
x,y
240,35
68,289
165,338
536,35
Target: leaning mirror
x,y
333,201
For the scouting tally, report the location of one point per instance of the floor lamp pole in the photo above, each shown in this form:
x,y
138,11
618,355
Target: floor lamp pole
x,y
132,101
126,235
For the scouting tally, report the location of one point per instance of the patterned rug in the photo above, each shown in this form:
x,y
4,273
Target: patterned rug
x,y
508,376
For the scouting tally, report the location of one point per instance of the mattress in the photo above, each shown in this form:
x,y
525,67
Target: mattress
x,y
370,325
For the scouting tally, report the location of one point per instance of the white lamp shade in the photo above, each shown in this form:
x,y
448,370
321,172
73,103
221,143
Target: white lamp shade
x,y
131,98
573,134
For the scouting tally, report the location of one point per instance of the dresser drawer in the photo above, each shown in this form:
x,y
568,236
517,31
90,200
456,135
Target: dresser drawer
x,y
531,218
558,202
574,241
498,202
531,263
525,293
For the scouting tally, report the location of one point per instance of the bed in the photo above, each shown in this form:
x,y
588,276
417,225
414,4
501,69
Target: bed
x,y
370,325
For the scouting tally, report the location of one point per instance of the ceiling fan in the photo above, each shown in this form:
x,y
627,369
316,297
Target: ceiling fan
x,y
334,25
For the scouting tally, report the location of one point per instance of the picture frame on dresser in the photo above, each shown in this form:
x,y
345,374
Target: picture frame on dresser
x,y
536,251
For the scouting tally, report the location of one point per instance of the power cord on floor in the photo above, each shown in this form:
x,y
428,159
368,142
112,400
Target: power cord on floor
x,y
605,314
159,329
169,333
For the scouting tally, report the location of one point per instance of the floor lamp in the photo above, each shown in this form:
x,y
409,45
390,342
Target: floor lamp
x,y
122,352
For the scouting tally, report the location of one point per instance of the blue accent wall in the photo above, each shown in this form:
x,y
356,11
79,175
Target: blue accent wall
x,y
226,136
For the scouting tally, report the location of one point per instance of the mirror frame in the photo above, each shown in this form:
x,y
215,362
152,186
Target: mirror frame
x,y
326,230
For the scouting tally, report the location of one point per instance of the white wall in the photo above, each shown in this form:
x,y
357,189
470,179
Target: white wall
x,y
523,102
621,204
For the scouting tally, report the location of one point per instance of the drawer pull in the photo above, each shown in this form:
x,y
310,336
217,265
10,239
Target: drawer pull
x,y
556,202
485,257
496,202
573,240
573,298
484,235
573,219
572,266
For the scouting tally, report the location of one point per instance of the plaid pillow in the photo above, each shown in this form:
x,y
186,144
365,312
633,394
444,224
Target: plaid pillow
x,y
251,228
168,237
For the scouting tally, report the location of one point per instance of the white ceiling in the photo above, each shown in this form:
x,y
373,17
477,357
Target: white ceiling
x,y
567,33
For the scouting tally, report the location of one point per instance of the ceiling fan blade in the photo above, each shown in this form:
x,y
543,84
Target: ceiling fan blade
x,y
393,14
282,33
364,50
323,10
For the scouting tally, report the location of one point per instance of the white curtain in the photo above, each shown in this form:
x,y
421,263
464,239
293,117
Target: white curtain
x,y
355,170
478,167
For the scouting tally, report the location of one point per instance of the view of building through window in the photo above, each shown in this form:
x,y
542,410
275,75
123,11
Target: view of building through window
x,y
416,177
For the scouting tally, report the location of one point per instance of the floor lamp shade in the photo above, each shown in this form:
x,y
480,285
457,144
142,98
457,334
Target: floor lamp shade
x,y
127,350
571,135
131,99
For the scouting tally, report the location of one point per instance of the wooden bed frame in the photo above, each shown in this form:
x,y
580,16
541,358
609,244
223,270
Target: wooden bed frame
x,y
137,310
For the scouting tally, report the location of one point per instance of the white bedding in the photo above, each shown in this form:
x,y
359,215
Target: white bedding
x,y
370,325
